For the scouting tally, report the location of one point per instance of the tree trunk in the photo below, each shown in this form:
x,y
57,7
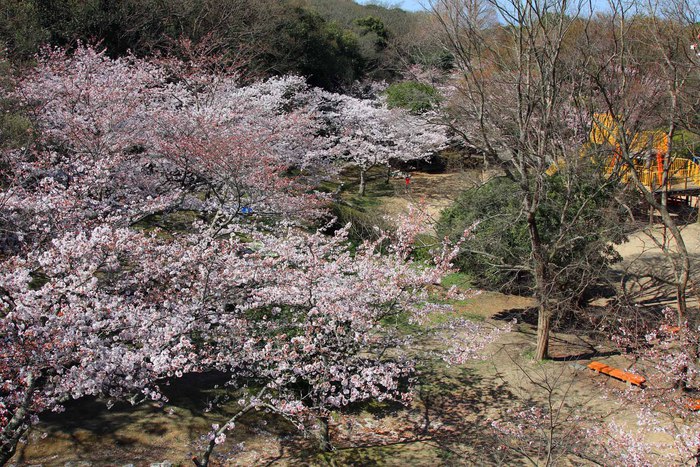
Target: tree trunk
x,y
361,191
324,436
541,286
206,455
680,266
682,381
388,173
12,433
204,462
683,275
544,320
681,288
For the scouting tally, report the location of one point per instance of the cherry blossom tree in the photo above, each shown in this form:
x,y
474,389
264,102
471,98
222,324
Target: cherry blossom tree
x,y
320,315
364,133
90,165
91,305
668,355
100,312
120,139
239,144
112,312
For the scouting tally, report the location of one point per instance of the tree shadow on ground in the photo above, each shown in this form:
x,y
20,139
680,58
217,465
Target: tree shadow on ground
x,y
585,356
648,279
522,315
87,430
446,425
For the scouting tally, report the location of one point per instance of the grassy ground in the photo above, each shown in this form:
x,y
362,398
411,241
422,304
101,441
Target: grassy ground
x,y
431,192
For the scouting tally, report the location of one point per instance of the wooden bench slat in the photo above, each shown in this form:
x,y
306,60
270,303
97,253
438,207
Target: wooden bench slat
x,y
617,373
597,366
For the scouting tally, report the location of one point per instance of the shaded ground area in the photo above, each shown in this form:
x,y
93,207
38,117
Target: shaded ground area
x,y
450,401
147,433
447,424
646,275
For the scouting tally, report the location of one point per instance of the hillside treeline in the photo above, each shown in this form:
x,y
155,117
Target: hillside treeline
x,y
332,42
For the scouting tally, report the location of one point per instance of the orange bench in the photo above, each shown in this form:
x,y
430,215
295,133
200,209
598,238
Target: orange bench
x,y
629,378
670,329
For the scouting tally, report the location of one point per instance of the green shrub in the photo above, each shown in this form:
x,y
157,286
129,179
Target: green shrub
x,y
577,222
424,245
686,144
365,225
413,96
501,237
15,130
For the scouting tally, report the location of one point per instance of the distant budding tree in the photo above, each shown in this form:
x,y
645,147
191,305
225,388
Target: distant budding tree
x,y
647,84
529,92
517,100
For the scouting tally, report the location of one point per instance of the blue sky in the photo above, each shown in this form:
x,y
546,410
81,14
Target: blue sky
x,y
411,5
414,5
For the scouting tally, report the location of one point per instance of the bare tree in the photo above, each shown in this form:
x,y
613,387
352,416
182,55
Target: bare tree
x,y
520,100
641,79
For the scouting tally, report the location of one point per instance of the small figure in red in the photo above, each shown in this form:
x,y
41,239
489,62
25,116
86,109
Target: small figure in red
x,y
408,182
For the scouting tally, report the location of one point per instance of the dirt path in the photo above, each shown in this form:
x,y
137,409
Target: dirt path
x,y
646,275
434,191
430,192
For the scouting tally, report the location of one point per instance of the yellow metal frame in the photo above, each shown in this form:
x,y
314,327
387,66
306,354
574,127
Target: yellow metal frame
x,y
606,131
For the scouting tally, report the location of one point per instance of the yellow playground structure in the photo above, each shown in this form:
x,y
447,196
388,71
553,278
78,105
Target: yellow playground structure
x,y
651,151
651,148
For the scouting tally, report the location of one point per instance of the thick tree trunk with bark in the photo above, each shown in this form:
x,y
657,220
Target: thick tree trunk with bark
x,y
541,286
679,265
544,320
